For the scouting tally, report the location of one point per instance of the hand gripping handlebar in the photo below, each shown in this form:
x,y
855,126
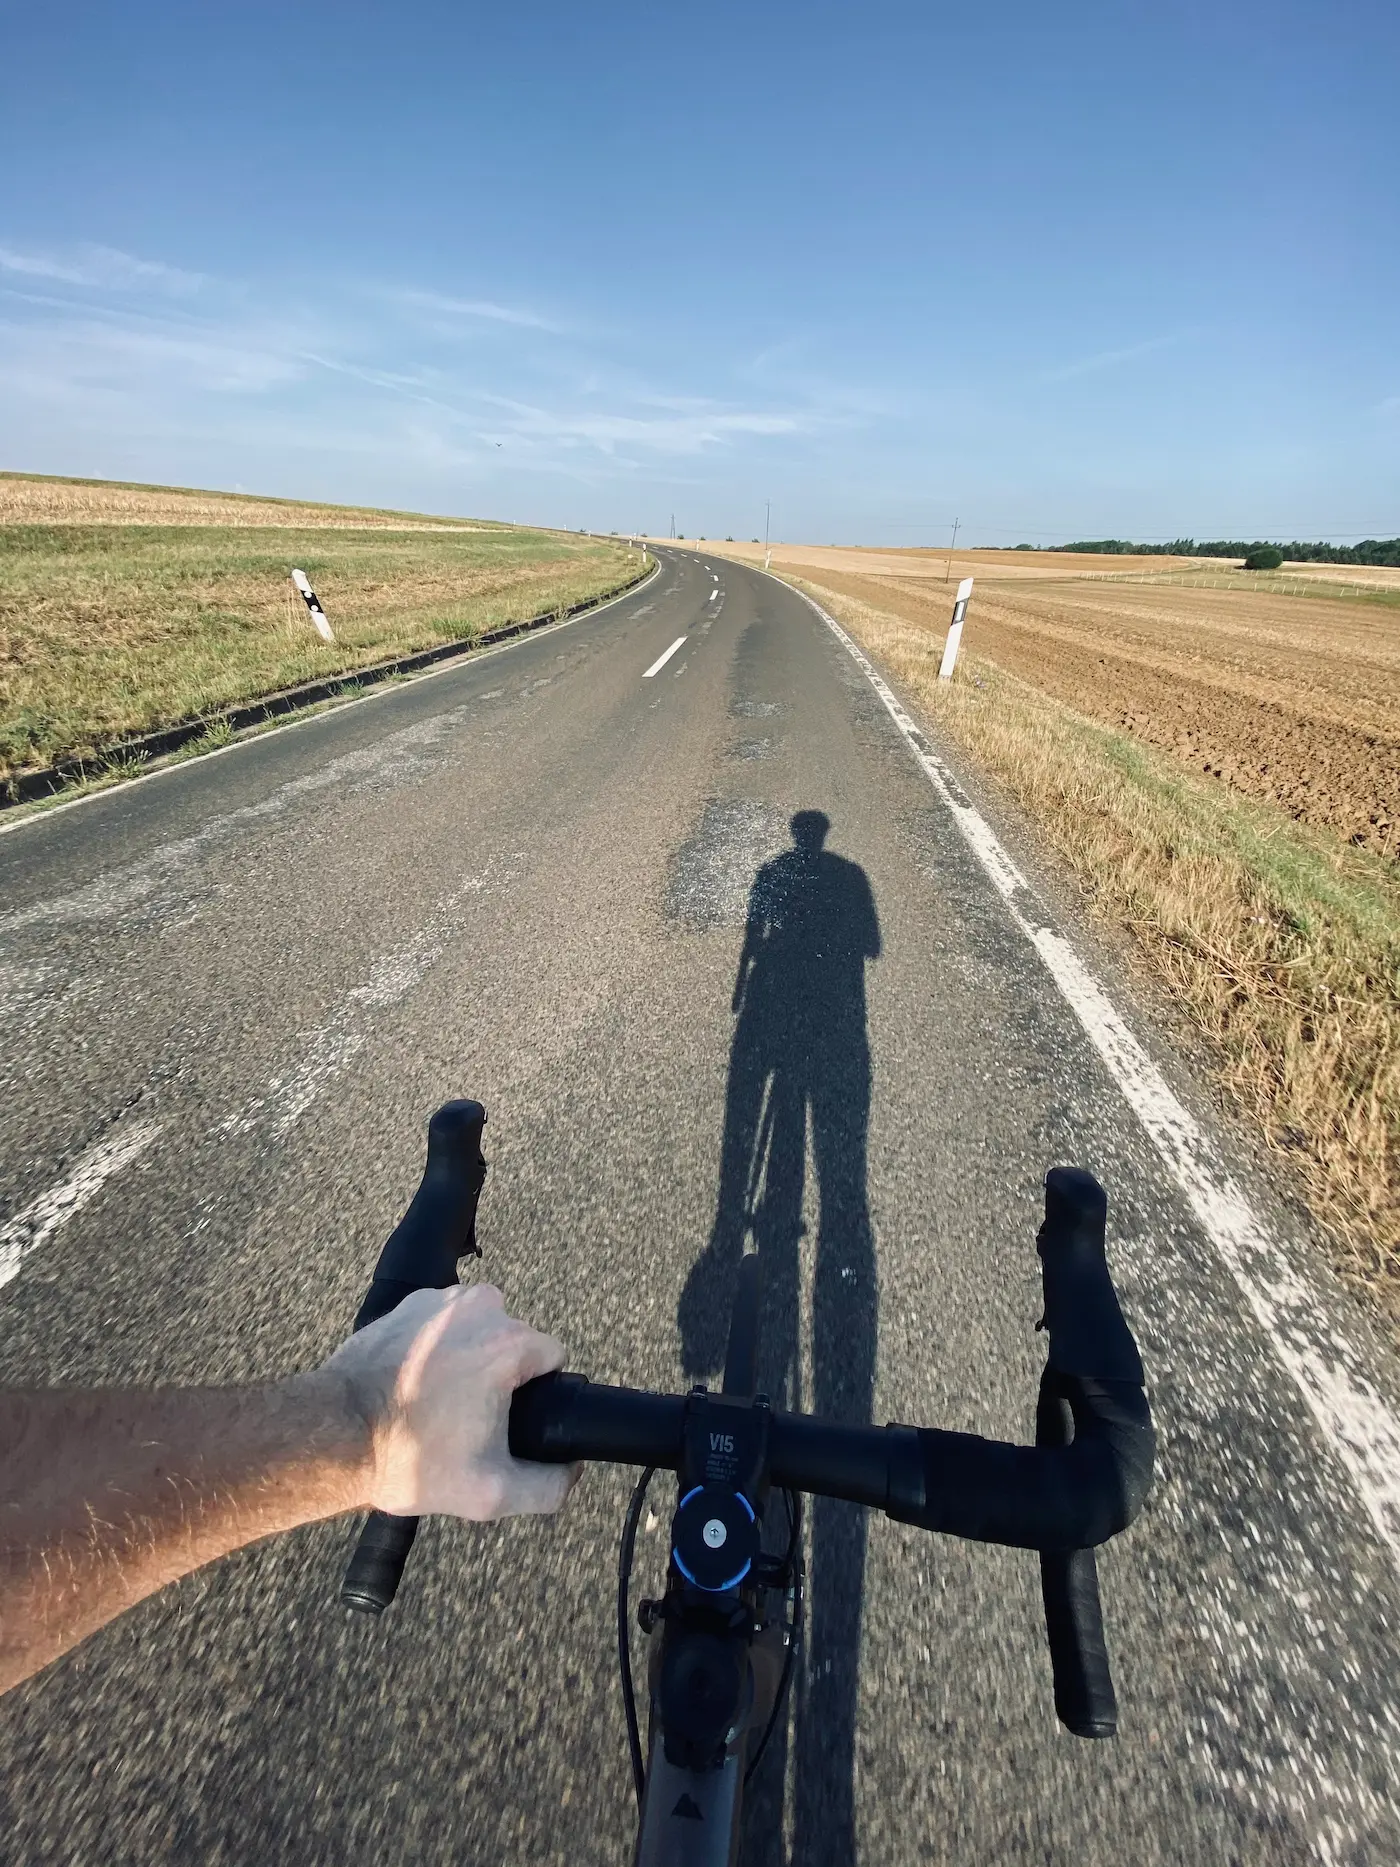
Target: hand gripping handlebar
x,y
438,1229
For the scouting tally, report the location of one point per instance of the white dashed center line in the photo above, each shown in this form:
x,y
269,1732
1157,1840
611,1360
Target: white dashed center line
x,y
661,660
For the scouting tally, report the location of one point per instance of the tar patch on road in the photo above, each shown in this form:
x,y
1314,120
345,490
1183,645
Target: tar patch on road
x,y
710,875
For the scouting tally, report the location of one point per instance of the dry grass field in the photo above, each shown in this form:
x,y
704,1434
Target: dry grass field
x,y
39,499
1219,764
123,609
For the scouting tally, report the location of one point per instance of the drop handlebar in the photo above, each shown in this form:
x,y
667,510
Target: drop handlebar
x,y
1082,1482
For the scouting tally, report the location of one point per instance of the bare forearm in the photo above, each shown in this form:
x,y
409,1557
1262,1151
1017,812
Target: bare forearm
x,y
105,1497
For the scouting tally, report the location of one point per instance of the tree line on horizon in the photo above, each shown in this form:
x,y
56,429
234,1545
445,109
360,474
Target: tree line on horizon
x,y
1384,551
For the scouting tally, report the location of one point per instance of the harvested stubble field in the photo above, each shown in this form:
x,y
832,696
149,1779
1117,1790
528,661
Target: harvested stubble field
x,y
37,499
124,609
1221,769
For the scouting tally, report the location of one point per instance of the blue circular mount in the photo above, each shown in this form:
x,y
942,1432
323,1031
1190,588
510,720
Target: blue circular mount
x,y
714,1538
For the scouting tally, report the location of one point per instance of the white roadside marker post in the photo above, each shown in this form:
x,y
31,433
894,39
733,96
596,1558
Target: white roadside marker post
x,y
955,629
313,603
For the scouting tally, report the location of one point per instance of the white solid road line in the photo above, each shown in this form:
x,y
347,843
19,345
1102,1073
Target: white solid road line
x,y
1354,1419
661,660
38,1222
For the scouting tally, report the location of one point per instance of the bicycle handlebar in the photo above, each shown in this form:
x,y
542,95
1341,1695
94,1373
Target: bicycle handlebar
x,y
1028,1497
1069,1494
1082,1482
1090,1346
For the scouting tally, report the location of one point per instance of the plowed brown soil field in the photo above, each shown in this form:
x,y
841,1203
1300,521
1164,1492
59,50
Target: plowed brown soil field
x,y
1291,698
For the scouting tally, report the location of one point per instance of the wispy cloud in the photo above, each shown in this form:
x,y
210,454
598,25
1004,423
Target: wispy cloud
x,y
395,380
685,430
1110,359
630,416
102,268
483,309
110,357
143,362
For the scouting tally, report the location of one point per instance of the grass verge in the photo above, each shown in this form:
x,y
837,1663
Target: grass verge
x,y
110,630
1281,942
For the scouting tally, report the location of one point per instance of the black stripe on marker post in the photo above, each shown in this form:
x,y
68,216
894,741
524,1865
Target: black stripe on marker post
x,y
313,603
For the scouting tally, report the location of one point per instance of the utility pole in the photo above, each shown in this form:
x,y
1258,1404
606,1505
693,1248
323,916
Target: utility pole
x,y
948,571
673,524
767,516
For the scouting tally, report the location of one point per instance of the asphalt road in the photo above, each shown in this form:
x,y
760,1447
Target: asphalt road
x,y
229,999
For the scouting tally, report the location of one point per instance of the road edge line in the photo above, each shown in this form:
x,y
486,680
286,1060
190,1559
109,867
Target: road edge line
x,y
1355,1420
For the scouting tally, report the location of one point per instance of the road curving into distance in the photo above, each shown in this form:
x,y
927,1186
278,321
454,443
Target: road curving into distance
x,y
230,997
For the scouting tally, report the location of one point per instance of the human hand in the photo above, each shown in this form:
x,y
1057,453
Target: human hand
x,y
433,1380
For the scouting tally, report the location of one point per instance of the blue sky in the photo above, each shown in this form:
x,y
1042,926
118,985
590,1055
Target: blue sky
x,y
1055,270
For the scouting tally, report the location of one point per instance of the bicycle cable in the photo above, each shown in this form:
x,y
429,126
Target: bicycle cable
x,y
796,1568
624,1637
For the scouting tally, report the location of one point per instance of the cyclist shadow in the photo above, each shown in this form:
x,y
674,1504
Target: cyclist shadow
x,y
799,1066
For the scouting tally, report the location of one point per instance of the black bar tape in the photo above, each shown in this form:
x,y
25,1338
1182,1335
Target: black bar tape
x,y
1026,1497
422,1253
1085,1702
440,1225
1034,1497
1087,1332
375,1570
559,1418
